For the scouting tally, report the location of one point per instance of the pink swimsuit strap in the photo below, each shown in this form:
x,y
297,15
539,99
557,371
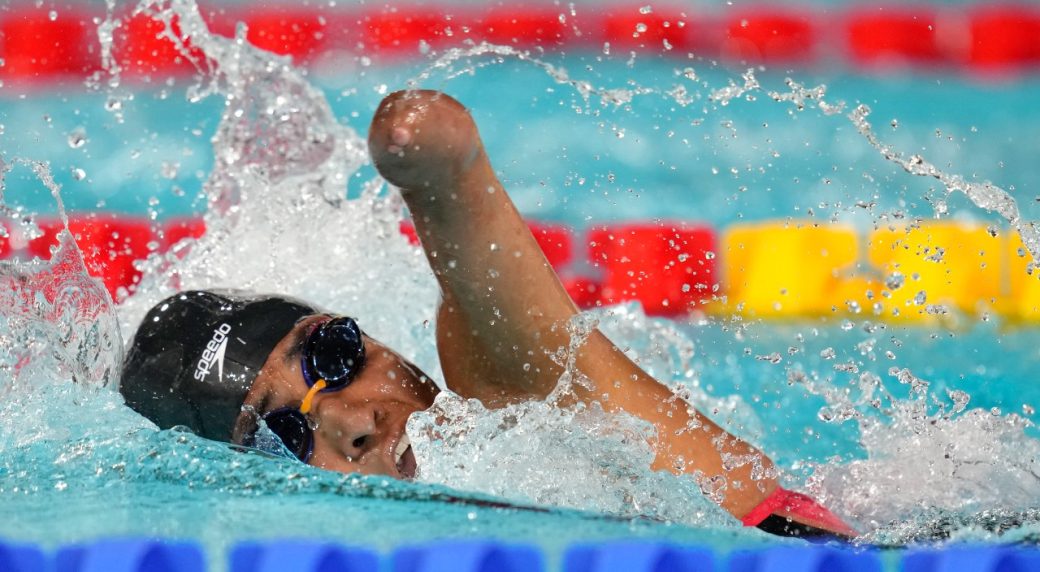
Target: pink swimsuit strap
x,y
801,507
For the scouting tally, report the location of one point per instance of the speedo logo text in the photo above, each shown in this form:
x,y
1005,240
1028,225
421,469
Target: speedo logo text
x,y
214,353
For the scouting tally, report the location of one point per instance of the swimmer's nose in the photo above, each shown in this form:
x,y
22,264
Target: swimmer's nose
x,y
353,429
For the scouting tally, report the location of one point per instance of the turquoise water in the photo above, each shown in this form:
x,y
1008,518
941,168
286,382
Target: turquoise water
x,y
899,454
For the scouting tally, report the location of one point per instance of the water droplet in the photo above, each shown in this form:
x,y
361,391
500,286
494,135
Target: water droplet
x,y
773,358
78,174
920,298
828,353
77,138
646,10
169,170
52,15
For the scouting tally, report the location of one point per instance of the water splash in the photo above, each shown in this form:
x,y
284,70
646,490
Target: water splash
x,y
537,453
962,464
985,195
59,323
277,217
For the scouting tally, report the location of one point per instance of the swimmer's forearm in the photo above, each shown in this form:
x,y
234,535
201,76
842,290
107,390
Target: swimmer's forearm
x,y
687,441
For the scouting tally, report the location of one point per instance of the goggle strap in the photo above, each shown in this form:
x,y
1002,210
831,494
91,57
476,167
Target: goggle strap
x,y
305,407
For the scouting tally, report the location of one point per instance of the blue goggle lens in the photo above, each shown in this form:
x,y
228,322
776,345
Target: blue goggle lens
x,y
335,352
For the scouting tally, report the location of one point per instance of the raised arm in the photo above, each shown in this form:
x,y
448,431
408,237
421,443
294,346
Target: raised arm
x,y
504,311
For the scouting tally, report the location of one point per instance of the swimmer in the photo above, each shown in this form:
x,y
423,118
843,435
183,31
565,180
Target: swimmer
x,y
217,362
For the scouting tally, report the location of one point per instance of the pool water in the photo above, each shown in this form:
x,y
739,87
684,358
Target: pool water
x,y
911,432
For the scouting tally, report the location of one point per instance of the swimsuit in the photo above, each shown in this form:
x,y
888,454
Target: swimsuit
x,y
803,517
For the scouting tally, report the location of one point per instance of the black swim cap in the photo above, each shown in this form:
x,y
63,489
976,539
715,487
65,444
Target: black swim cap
x,y
196,354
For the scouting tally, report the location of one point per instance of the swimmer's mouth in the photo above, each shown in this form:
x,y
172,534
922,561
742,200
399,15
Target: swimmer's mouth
x,y
405,458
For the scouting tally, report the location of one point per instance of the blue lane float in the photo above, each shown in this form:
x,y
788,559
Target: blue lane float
x,y
468,556
150,555
638,557
302,556
131,555
973,559
21,558
804,559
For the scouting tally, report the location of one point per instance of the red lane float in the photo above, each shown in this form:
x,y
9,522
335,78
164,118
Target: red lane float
x,y
1004,38
5,241
523,26
37,46
663,29
669,267
143,46
770,37
110,245
395,32
295,32
556,242
173,231
893,37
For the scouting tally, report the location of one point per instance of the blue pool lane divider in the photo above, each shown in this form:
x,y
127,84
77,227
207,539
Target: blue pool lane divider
x,y
21,558
148,555
995,559
130,555
821,559
302,555
468,556
641,556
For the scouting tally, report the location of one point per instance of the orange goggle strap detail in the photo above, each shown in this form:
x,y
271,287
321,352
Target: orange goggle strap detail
x,y
305,407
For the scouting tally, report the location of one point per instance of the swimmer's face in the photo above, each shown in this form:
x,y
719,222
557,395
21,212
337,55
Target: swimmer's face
x,y
358,429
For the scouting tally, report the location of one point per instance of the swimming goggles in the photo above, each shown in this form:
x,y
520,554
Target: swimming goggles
x,y
332,356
